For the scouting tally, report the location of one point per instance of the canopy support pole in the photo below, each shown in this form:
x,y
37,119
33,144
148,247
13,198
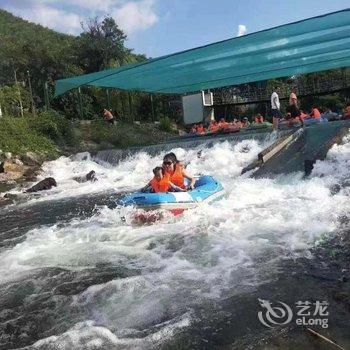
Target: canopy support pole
x,y
108,99
46,96
130,107
31,94
19,93
152,107
80,104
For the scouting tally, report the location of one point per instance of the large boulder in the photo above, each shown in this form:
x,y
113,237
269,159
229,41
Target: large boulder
x,y
11,171
43,185
11,167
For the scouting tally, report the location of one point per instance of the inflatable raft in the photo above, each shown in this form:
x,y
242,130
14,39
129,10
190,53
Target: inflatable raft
x,y
207,190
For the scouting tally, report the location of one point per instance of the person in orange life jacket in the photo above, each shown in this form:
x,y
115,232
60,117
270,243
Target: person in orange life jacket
x,y
258,118
213,126
160,183
200,129
315,113
223,124
176,171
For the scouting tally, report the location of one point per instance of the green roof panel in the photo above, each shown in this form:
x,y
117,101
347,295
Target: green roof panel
x,y
311,45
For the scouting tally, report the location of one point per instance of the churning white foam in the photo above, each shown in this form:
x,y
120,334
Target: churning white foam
x,y
182,261
135,171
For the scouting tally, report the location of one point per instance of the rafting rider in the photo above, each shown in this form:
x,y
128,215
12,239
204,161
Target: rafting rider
x,y
176,172
161,183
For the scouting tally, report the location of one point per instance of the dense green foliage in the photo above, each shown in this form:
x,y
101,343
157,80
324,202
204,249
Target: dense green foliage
x,y
53,56
50,134
42,134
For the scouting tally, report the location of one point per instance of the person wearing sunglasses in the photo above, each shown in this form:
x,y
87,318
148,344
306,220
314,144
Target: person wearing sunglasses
x,y
176,172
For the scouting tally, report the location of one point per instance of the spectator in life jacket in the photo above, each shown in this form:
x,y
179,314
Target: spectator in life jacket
x,y
223,124
213,127
108,116
258,118
245,122
347,112
176,171
315,113
193,129
161,183
200,129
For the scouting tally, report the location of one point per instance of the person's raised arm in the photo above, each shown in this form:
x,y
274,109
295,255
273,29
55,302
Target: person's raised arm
x,y
191,178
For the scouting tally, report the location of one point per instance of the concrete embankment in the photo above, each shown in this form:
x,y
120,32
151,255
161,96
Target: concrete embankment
x,y
113,156
300,150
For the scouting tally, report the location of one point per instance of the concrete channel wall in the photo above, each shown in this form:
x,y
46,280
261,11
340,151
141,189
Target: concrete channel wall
x,y
113,156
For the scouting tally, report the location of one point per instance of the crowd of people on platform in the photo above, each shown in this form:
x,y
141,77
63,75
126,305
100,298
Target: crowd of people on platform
x,y
293,116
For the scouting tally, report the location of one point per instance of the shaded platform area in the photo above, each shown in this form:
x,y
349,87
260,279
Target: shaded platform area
x,y
302,150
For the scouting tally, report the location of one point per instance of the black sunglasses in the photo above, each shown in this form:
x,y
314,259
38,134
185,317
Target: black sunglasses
x,y
167,163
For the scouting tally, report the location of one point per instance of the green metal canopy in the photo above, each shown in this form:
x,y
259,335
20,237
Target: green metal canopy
x,y
310,45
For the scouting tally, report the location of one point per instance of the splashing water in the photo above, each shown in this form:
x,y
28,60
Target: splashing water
x,y
168,268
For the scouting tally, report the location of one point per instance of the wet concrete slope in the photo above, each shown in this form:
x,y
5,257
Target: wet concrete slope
x,y
308,145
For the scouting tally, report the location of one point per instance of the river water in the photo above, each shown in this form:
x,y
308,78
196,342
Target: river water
x,y
78,273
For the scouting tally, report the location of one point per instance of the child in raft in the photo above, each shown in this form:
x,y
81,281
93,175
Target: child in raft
x,y
161,183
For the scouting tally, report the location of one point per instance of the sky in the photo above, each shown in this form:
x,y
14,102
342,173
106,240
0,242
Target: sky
x,y
160,27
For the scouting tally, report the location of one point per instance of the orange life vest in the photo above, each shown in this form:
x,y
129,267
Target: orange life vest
x,y
259,119
223,124
200,129
162,185
177,177
213,127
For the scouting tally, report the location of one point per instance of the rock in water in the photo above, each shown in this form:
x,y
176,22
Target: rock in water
x,y
43,185
5,201
91,176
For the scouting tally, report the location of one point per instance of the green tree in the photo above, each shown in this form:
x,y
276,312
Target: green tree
x,y
101,45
